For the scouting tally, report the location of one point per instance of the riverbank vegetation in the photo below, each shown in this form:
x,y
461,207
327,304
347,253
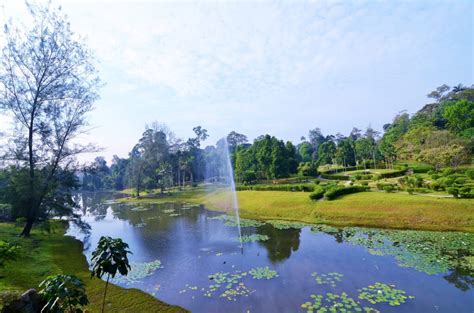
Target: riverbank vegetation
x,y
53,253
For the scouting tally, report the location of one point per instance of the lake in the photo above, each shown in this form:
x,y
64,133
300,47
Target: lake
x,y
192,257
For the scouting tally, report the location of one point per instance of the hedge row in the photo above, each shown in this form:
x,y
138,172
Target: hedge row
x,y
392,174
288,187
334,176
334,193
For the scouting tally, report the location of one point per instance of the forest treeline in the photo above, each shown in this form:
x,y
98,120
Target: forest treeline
x,y
440,134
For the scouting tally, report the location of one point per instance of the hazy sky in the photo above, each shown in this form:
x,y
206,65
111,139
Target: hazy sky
x,y
266,67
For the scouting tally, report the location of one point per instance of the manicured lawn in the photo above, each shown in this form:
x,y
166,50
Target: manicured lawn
x,y
44,255
373,209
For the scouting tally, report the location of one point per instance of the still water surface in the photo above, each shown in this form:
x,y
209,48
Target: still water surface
x,y
178,247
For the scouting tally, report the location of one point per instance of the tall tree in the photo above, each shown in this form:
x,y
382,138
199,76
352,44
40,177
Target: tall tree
x,y
48,85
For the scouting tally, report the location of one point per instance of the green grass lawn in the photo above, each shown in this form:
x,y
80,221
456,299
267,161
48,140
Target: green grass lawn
x,y
44,255
373,209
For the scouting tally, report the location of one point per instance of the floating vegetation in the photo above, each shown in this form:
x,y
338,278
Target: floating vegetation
x,y
138,272
167,211
278,224
174,214
325,229
232,221
230,284
383,293
140,225
263,273
426,251
153,217
334,303
252,238
189,287
219,254
330,279
139,209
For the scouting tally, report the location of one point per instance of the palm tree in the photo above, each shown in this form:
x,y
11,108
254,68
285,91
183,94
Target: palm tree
x,y
109,257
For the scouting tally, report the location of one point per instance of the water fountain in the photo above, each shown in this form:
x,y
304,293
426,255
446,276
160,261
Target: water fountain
x,y
231,180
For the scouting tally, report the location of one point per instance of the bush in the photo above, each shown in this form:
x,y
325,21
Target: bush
x,y
381,186
336,192
421,168
335,176
248,177
453,191
470,173
410,190
364,182
317,194
392,174
388,188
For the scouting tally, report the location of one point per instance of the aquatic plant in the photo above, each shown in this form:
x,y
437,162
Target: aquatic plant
x,y
325,229
140,225
252,238
383,293
426,251
263,273
167,211
230,284
232,221
335,303
278,224
138,272
139,209
174,214
328,279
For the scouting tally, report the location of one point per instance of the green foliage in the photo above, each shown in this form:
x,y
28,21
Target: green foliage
x,y
109,257
334,193
8,252
279,224
460,115
63,293
318,193
453,191
388,188
232,221
307,169
334,303
263,273
330,279
383,293
278,187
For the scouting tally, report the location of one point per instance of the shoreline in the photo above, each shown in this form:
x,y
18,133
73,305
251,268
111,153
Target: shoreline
x,y
58,253
366,209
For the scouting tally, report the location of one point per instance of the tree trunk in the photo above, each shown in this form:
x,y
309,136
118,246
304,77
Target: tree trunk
x,y
28,226
105,292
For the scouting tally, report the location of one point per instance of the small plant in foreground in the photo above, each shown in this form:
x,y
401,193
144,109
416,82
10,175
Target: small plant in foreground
x,y
110,257
63,293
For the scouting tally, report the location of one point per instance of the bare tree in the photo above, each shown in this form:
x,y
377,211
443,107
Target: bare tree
x,y
48,84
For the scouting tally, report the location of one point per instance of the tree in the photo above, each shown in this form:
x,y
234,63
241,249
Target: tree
x,y
235,139
63,293
460,115
48,85
110,256
326,152
316,138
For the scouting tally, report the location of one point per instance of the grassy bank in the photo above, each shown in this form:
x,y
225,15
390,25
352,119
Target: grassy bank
x,y
373,209
44,255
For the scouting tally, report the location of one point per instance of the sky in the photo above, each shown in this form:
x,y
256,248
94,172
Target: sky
x,y
258,67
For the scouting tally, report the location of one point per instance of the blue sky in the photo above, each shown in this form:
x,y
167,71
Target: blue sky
x,y
266,67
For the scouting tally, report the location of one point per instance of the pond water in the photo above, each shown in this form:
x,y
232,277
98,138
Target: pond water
x,y
189,256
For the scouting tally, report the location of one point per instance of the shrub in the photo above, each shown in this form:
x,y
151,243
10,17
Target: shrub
x,y
317,194
453,191
421,168
435,176
336,192
392,174
448,171
422,190
410,190
435,185
381,186
335,176
388,188
470,173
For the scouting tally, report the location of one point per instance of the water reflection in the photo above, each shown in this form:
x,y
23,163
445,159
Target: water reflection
x,y
189,244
